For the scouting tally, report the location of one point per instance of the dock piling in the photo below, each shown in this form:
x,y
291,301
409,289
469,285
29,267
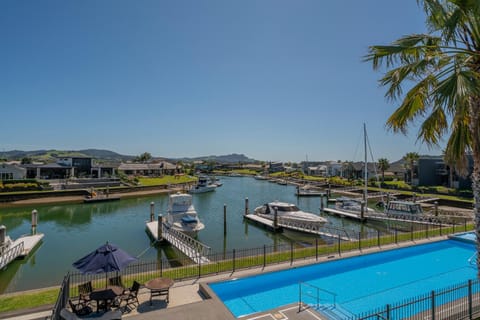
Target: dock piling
x,y
152,210
159,227
436,208
275,219
34,221
246,206
321,203
362,210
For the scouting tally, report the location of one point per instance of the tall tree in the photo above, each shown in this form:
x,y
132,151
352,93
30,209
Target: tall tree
x,y
144,157
410,159
383,165
441,70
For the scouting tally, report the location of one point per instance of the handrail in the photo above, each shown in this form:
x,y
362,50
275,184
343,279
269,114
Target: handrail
x,y
316,296
198,251
11,254
473,260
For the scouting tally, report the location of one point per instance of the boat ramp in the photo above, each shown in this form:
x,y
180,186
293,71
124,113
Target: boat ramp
x,y
192,248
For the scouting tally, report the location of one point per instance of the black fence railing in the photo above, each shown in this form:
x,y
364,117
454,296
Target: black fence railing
x,y
63,296
458,302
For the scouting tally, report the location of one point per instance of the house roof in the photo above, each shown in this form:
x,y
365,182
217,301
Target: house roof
x,y
147,166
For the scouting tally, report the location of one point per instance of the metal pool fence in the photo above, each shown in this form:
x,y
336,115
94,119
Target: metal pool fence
x,y
231,261
457,302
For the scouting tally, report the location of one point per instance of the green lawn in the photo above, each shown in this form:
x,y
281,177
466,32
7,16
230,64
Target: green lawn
x,y
165,180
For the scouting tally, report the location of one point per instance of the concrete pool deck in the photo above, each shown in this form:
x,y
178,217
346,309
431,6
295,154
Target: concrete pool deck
x,y
193,299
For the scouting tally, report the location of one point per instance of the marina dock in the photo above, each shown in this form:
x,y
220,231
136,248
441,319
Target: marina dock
x,y
345,214
283,224
19,248
193,249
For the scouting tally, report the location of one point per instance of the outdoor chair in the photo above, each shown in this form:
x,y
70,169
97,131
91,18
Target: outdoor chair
x,y
84,291
130,297
109,315
80,308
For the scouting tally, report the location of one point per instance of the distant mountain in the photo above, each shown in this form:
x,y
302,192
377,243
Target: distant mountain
x,y
106,155
51,155
231,158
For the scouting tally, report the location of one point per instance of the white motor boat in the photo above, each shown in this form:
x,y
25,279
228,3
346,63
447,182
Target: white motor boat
x,y
403,208
351,205
203,185
287,211
308,190
182,216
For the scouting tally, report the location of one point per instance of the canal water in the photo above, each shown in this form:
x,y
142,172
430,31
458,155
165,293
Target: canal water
x,y
73,230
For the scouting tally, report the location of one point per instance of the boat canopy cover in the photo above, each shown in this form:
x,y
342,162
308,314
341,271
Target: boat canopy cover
x,y
188,219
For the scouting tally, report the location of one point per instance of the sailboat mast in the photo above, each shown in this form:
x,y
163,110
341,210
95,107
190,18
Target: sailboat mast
x,y
365,163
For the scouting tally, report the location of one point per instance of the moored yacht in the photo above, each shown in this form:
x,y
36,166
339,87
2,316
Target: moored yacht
x,y
287,211
182,216
203,185
403,208
351,205
308,190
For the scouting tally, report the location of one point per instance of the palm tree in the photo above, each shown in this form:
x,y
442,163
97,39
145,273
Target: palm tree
x,y
441,71
410,158
383,165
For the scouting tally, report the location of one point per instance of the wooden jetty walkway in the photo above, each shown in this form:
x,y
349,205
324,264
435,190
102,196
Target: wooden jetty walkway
x,y
345,214
19,248
193,249
380,216
283,223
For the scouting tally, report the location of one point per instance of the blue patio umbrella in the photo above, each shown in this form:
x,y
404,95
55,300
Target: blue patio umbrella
x,y
106,258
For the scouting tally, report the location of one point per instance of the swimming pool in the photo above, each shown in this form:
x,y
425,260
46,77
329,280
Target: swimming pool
x,y
360,283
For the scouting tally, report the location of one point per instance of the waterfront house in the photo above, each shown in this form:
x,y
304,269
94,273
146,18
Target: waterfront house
x,y
11,172
149,169
69,167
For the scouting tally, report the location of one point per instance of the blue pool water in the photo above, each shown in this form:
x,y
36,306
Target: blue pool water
x,y
361,283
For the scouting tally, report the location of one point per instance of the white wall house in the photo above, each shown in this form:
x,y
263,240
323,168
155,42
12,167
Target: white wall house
x,y
11,172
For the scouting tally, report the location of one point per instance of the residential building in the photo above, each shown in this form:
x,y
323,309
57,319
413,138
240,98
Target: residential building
x,y
149,169
11,172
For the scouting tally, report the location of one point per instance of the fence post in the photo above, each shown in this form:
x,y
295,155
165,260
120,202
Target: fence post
x,y
396,236
465,224
440,228
470,306
411,232
433,305
359,241
233,258
426,230
339,250
299,296
316,249
199,266
378,238
387,311
264,256
291,252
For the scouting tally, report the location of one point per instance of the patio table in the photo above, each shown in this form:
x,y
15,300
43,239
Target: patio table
x,y
159,287
105,297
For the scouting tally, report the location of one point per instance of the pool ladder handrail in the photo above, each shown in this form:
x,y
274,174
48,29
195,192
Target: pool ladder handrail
x,y
473,259
317,296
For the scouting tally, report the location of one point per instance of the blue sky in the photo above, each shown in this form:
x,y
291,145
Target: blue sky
x,y
275,80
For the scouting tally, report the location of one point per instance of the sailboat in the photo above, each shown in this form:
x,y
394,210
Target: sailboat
x,y
354,205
